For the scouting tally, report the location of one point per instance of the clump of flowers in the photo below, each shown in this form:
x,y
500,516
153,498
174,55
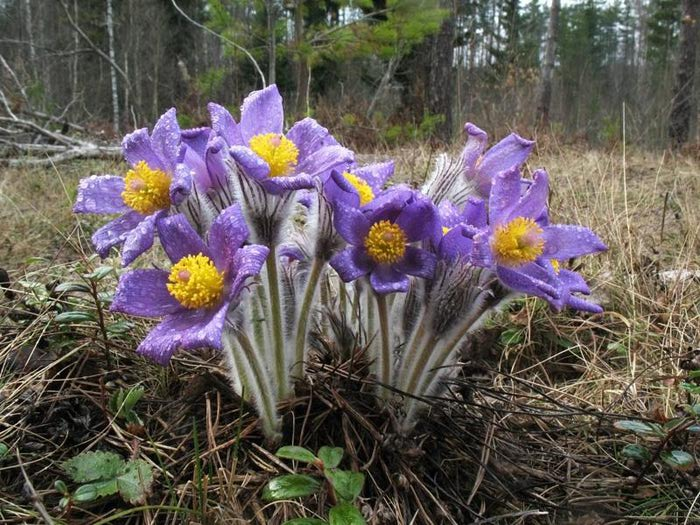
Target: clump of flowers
x,y
253,219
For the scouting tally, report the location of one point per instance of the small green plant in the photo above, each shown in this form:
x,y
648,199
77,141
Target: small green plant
x,y
102,474
122,404
344,486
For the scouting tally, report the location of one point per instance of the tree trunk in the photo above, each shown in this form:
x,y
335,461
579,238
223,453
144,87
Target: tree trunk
x,y
679,127
439,88
545,91
271,9
301,66
112,69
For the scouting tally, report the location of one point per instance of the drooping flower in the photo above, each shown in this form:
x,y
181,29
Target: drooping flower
x,y
382,237
459,227
277,161
155,181
195,296
358,185
480,168
520,245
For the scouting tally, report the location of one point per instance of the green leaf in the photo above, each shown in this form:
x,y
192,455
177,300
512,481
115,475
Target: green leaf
x,y
345,514
85,493
305,521
4,449
290,486
331,456
296,453
639,427
99,273
72,287
74,317
512,336
347,484
690,387
135,480
678,459
694,429
637,452
93,466
60,486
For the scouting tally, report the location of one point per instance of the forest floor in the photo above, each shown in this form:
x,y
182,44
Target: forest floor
x,y
533,433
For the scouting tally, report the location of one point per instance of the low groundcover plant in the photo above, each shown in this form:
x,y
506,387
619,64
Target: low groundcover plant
x,y
253,220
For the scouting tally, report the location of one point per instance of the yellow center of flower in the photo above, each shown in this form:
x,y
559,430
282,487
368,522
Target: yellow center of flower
x,y
364,190
146,190
195,282
385,242
278,151
517,242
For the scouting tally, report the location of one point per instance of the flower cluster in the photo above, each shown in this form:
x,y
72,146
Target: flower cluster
x,y
255,220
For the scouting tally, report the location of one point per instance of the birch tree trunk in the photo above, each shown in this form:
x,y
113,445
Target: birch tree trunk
x,y
112,70
271,8
679,126
544,101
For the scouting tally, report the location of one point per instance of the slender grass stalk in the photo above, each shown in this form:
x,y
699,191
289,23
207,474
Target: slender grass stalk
x,y
279,356
304,314
384,362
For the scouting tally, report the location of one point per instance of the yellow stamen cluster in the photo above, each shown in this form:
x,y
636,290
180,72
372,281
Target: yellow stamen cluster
x,y
195,282
278,151
555,264
385,242
146,190
445,230
364,190
517,242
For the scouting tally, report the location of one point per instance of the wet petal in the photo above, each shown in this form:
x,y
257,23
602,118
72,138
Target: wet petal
x,y
181,184
476,143
165,139
527,280
261,113
322,161
509,153
186,330
115,232
375,175
474,213
337,189
308,136
247,262
196,139
420,221
351,263
179,239
564,241
224,125
140,238
251,164
534,200
505,193
351,224
227,234
100,194
277,185
455,243
418,262
136,147
385,279
144,293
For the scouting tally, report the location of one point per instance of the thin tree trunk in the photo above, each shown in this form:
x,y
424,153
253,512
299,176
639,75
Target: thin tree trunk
x,y
30,39
74,62
272,41
439,78
301,67
679,127
113,71
545,90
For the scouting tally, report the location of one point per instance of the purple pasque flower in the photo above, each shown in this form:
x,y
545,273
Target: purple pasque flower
x,y
277,161
357,186
203,283
382,236
155,182
480,168
459,227
520,245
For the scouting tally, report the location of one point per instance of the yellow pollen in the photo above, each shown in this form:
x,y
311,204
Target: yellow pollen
x,y
278,151
556,265
385,242
445,229
517,242
146,190
364,190
195,282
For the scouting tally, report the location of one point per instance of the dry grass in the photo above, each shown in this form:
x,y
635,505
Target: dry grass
x,y
524,437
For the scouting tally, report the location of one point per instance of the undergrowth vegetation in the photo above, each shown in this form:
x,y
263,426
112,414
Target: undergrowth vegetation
x,y
535,428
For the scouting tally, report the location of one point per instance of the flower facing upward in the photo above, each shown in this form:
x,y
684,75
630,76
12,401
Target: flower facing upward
x,y
520,244
157,179
382,237
279,162
195,296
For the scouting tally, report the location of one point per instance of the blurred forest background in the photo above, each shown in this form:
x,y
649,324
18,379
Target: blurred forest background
x,y
373,71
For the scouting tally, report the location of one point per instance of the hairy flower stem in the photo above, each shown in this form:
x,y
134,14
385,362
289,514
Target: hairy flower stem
x,y
304,314
410,351
277,330
268,410
384,357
